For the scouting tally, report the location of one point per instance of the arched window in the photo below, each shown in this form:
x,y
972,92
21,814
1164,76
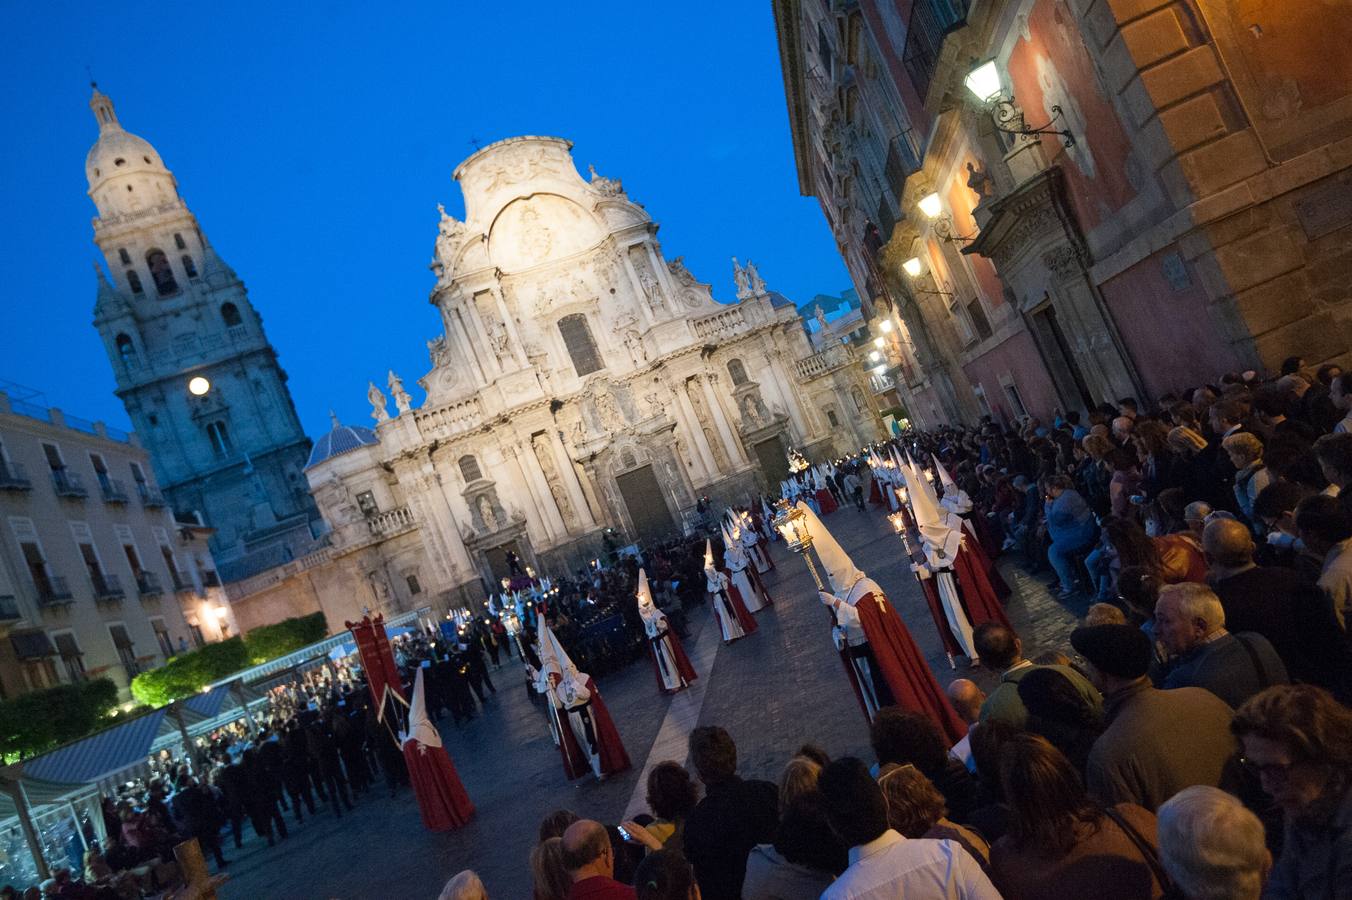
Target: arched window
x,y
857,399
126,349
161,273
577,338
178,240
469,469
123,255
230,315
134,281
188,265
737,372
219,436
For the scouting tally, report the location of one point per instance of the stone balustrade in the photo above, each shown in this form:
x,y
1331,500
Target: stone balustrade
x,y
451,419
391,522
821,362
723,324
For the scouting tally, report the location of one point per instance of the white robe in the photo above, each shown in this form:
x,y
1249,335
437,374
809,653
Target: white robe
x,y
727,618
659,640
751,598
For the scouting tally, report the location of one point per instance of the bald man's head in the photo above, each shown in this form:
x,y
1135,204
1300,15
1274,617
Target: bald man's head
x,y
967,698
586,850
1228,543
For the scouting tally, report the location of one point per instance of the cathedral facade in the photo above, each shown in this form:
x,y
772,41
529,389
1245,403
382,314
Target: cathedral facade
x,y
582,382
194,368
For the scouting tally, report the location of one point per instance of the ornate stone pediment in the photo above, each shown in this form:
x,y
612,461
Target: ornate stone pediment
x,y
1035,214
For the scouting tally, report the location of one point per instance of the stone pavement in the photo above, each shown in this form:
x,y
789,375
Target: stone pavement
x,y
773,691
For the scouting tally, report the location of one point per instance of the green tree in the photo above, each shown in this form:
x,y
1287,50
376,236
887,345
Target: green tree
x,y
40,720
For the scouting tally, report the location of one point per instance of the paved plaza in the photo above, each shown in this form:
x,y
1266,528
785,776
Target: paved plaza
x,y
773,691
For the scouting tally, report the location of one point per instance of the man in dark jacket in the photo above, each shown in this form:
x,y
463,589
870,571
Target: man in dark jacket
x,y
201,816
733,817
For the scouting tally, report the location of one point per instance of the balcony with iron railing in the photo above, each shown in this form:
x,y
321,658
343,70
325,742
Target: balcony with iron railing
x,y
68,484
150,498
13,477
148,585
9,609
930,22
52,589
113,491
106,587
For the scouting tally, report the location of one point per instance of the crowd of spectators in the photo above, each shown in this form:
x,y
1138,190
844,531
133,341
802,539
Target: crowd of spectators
x,y
1192,739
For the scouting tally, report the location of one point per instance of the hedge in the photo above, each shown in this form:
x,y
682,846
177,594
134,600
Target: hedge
x,y
188,673
39,720
271,641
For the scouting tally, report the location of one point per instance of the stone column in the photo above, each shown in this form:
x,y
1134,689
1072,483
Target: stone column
x,y
518,349
531,463
699,447
730,442
644,304
455,335
537,522
446,548
788,393
479,337
568,474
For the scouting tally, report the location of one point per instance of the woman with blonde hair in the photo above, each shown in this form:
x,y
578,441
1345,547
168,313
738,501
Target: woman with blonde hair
x,y
1251,475
799,778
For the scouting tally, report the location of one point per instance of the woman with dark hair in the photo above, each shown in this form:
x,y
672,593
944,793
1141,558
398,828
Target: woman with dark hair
x,y
804,859
1126,479
549,876
1058,712
1124,544
671,796
1298,740
1159,465
1060,844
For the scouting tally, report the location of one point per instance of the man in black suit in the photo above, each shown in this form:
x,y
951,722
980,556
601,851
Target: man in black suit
x,y
1277,603
733,817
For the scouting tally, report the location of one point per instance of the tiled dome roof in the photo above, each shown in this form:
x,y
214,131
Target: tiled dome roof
x,y
341,439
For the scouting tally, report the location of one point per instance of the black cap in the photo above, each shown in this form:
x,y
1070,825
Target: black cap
x,y
1119,650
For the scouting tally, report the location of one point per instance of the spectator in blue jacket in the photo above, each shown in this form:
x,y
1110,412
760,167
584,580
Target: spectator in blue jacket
x,y
1071,527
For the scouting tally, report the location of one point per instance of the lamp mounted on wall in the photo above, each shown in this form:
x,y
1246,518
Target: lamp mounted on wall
x,y
913,267
984,83
932,207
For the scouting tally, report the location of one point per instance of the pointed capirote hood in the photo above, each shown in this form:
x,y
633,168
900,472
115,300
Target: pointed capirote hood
x,y
645,596
708,556
840,569
945,479
553,658
420,726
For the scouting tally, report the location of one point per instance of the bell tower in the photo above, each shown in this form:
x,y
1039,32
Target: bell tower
x,y
194,368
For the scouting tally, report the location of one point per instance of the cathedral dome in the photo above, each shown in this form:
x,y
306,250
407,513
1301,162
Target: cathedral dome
x,y
341,439
117,151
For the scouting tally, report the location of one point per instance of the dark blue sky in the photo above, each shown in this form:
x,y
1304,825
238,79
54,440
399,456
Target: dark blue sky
x,y
313,142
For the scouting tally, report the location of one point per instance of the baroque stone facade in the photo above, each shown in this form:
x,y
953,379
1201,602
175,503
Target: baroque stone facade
x,y
1185,210
582,381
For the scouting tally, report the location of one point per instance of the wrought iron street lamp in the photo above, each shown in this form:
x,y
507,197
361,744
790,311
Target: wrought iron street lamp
x,y
984,83
932,207
791,523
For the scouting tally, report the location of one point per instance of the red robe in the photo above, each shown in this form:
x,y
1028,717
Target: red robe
x,y
441,797
974,546
978,595
614,759
904,669
826,502
930,588
683,666
875,496
744,617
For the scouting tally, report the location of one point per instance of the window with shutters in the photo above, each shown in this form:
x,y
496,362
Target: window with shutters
x,y
469,469
977,313
72,659
577,338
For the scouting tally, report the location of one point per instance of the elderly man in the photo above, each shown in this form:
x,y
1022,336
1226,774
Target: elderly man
x,y
1122,426
1212,846
590,861
1002,650
1157,742
1276,602
967,698
1190,622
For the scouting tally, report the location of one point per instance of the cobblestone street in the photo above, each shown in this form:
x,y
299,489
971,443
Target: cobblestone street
x,y
773,691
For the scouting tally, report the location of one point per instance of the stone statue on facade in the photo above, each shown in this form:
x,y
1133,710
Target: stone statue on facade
x,y
378,403
654,404
450,234
740,277
681,273
608,412
402,400
490,518
609,187
979,182
820,315
438,352
753,276
497,335
649,285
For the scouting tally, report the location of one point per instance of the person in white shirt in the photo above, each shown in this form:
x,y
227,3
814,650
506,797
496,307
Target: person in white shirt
x,y
883,864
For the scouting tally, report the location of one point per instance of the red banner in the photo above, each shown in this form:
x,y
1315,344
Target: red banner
x,y
377,658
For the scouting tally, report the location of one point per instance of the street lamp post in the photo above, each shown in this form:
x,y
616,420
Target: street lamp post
x,y
791,524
